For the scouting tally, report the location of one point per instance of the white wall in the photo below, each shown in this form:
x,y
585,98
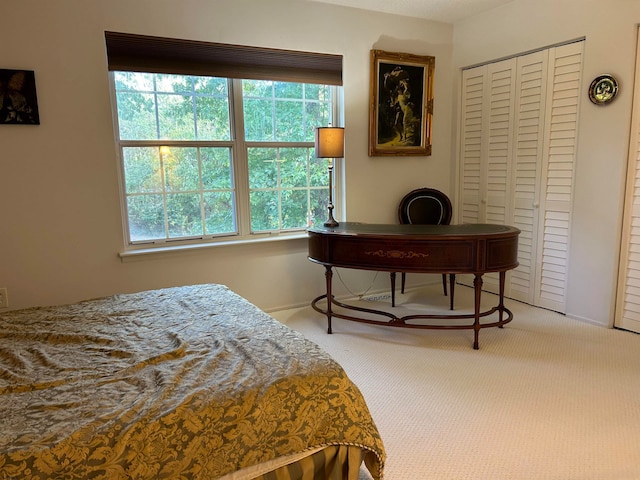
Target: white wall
x,y
610,32
60,226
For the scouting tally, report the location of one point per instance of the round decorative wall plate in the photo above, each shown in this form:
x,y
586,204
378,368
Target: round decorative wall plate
x,y
603,89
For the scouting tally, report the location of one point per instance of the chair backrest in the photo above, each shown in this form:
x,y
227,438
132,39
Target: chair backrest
x,y
425,206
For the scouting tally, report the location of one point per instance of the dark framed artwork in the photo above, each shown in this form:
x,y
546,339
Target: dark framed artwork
x,y
18,100
401,104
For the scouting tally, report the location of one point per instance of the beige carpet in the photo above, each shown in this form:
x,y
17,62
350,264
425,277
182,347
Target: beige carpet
x,y
546,397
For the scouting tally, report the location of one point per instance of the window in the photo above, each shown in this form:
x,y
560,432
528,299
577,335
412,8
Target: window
x,y
205,157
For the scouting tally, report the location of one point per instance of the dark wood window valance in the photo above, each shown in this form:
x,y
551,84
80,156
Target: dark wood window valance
x,y
140,53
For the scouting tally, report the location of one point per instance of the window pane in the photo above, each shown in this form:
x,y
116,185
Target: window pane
x,y
188,171
212,108
176,117
290,121
317,115
136,116
218,213
284,112
294,167
318,171
265,214
146,217
173,83
294,209
317,92
184,215
263,167
217,172
288,90
142,169
212,118
211,86
290,171
181,169
257,88
134,81
172,107
259,120
319,202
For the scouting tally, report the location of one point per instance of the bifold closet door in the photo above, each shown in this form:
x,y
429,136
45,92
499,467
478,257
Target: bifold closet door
x,y
517,155
487,136
527,154
564,90
501,151
627,314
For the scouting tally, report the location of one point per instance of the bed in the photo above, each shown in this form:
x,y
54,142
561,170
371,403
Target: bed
x,y
189,382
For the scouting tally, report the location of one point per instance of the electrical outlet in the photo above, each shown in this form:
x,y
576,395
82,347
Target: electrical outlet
x,y
4,299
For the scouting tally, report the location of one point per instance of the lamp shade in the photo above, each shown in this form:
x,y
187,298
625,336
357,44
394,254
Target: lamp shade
x,y
329,142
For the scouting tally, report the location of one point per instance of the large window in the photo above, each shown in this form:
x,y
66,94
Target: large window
x,y
206,158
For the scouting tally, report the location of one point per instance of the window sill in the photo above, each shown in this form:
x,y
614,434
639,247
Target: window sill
x,y
139,253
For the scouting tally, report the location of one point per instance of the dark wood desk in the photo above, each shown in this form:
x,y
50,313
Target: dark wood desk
x,y
469,248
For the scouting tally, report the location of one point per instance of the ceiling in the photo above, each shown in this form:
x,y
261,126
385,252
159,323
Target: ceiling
x,y
449,11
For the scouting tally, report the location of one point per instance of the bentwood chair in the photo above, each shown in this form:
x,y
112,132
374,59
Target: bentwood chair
x,y
425,206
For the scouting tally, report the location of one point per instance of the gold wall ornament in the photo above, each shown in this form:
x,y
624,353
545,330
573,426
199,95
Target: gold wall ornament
x,y
603,89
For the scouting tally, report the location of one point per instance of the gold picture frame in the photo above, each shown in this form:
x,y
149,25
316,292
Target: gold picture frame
x,y
401,104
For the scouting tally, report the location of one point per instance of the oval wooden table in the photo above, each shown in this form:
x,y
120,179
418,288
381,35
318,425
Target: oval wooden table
x,y
452,249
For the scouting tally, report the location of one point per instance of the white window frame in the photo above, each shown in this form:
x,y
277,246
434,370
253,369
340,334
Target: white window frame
x,y
239,148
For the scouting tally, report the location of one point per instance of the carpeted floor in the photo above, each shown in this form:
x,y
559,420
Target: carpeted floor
x,y
546,397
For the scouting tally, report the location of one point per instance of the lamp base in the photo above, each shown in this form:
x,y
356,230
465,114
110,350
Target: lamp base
x,y
331,222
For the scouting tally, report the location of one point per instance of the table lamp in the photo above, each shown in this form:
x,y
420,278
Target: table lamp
x,y
330,144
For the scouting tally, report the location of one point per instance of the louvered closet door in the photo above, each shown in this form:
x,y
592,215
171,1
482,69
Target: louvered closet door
x,y
628,298
527,163
486,136
558,169
487,123
490,91
501,77
472,175
518,144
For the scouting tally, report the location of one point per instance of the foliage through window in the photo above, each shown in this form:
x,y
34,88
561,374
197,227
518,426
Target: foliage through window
x,y
207,157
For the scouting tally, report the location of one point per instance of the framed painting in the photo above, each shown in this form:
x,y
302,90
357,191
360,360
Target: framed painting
x,y
401,104
18,100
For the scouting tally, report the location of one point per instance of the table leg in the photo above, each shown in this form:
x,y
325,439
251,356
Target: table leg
x,y
328,274
477,284
393,289
452,286
501,302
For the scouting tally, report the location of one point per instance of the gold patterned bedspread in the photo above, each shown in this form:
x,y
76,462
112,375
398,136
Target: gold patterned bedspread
x,y
186,382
